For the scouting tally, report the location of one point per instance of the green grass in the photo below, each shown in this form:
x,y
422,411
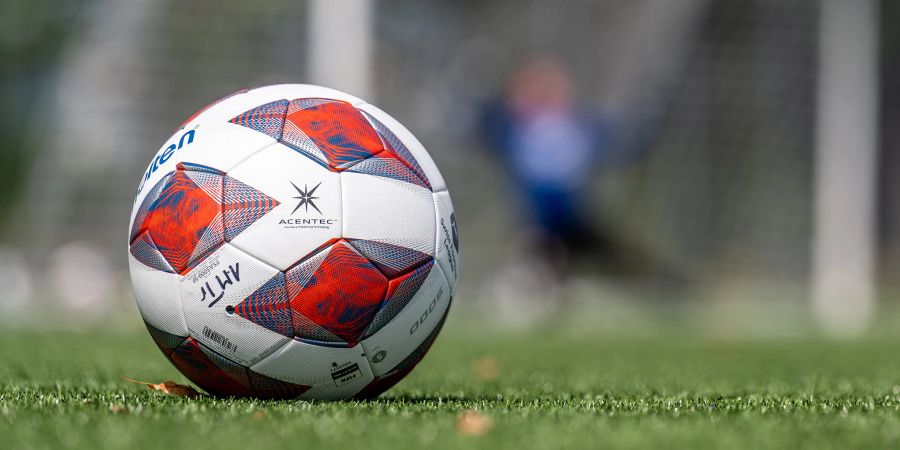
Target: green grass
x,y
64,390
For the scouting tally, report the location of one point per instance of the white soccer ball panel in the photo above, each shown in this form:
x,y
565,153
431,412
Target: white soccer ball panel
x,y
157,297
332,372
309,210
412,144
224,279
222,146
447,239
415,322
390,211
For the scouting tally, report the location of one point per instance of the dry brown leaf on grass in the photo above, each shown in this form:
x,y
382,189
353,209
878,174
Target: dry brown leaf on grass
x,y
486,368
473,423
168,387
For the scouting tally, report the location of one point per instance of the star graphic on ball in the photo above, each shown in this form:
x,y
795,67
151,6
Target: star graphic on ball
x,y
306,197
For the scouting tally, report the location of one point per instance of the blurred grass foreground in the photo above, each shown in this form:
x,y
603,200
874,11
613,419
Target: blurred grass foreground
x,y
526,390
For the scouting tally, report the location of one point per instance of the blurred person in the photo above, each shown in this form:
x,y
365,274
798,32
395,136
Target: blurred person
x,y
551,147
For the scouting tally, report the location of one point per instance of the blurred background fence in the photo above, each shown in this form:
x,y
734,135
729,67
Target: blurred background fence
x,y
710,107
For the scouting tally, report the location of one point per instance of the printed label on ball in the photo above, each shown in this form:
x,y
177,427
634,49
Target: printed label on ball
x,y
214,280
204,269
344,373
228,277
451,243
164,155
306,198
307,223
219,339
415,326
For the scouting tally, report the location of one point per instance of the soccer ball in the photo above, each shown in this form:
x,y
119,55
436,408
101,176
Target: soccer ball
x,y
293,241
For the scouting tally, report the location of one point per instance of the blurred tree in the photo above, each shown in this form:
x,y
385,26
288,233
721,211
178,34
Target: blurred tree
x,y
32,35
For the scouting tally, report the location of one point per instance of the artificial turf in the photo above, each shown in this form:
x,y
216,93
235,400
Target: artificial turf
x,y
538,389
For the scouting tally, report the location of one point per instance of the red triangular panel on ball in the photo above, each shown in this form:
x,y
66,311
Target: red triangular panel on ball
x,y
342,295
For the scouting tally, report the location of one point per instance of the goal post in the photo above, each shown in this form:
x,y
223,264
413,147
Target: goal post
x,y
340,45
844,222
